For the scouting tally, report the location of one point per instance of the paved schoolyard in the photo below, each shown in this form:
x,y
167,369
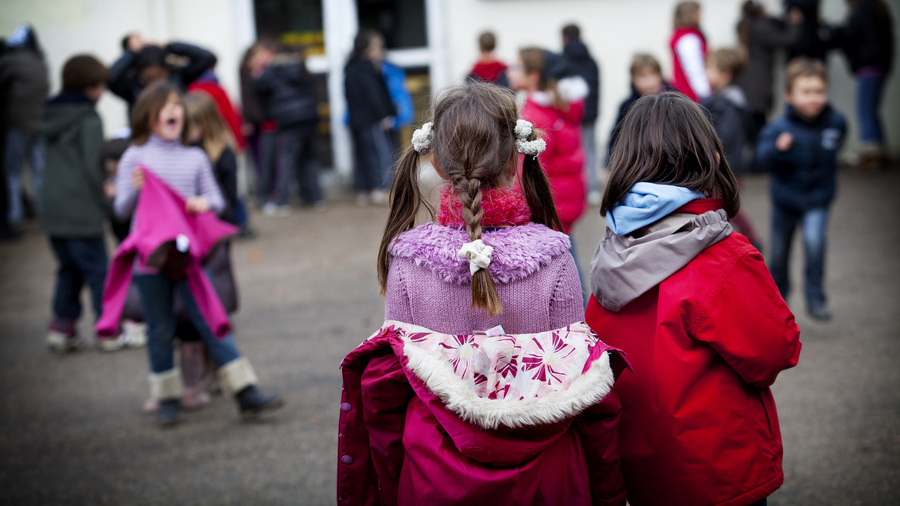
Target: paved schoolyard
x,y
72,431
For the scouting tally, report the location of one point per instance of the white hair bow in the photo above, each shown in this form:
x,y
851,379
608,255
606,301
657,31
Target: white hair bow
x,y
421,139
478,253
523,145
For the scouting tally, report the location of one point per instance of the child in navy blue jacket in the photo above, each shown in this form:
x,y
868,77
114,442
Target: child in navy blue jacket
x,y
800,149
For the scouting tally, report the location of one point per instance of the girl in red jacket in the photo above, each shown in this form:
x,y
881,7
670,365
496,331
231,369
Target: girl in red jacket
x,y
698,313
688,47
555,105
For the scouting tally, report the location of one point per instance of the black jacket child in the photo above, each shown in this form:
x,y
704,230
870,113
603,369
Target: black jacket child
x,y
730,115
580,59
368,99
867,38
124,74
287,92
803,177
74,202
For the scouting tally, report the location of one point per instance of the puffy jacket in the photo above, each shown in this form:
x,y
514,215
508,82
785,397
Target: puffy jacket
x,y
441,419
287,92
585,66
563,161
23,75
699,425
803,177
74,202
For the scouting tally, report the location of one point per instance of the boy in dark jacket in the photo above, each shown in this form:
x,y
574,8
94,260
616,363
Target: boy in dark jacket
x,y
800,149
76,202
584,65
646,79
288,95
730,114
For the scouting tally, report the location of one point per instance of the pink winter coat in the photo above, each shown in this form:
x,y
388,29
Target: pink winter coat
x,y
433,419
563,161
161,222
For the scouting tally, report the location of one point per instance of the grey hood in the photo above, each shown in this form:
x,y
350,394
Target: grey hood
x,y
626,267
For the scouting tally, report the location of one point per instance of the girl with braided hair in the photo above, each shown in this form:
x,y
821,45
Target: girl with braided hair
x,y
483,374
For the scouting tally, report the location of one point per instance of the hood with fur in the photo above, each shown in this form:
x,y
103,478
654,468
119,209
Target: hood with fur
x,y
518,251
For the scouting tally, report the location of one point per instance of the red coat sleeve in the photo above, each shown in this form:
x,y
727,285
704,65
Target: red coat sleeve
x,y
386,393
748,323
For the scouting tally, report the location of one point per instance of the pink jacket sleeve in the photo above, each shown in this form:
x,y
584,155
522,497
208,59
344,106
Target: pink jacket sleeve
x,y
748,323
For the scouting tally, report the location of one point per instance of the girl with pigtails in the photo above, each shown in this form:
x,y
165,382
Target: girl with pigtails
x,y
483,385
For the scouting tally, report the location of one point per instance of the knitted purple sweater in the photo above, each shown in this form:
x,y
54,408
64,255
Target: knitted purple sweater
x,y
535,276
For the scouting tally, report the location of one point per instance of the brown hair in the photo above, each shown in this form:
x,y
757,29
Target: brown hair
x,y
474,144
82,72
684,14
727,60
533,60
202,111
571,32
643,61
803,67
147,107
487,42
667,139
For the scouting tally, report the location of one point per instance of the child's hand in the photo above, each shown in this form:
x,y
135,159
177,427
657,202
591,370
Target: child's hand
x,y
109,189
197,205
784,141
137,177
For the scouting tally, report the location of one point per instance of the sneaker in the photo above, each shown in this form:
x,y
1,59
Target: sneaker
x,y
273,210
820,313
251,402
135,334
60,342
246,232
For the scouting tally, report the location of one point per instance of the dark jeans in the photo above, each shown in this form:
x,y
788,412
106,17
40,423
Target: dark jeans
x,y
267,166
374,158
82,261
868,99
298,147
156,296
814,223
22,145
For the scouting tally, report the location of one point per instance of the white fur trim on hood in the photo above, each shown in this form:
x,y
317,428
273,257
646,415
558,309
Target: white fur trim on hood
x,y
570,89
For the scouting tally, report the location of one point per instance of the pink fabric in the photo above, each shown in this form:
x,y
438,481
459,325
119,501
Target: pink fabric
x,y
563,161
160,218
398,443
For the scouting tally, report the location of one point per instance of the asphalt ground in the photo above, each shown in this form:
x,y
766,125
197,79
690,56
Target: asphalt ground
x,y
72,430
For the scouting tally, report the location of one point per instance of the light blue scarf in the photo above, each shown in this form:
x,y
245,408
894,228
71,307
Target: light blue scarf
x,y
645,204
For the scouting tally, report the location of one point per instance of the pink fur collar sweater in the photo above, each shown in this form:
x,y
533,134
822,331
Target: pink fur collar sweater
x,y
535,277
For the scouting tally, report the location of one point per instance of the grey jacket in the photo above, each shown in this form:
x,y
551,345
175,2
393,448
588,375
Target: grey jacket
x,y
73,198
24,74
626,267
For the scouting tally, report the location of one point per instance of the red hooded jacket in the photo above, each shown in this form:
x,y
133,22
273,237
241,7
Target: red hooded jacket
x,y
699,425
443,419
563,161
